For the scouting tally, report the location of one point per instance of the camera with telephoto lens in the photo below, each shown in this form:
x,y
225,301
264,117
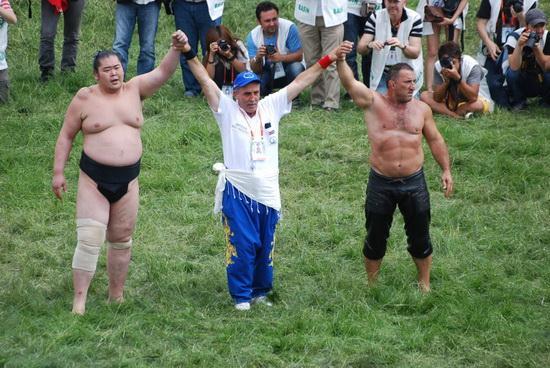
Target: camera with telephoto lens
x,y
223,45
517,5
532,40
446,62
270,49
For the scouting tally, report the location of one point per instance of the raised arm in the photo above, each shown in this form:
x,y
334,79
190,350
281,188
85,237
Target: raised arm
x,y
361,94
308,76
8,15
71,126
150,82
439,150
209,87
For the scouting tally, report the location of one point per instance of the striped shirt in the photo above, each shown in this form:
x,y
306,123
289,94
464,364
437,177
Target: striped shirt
x,y
416,30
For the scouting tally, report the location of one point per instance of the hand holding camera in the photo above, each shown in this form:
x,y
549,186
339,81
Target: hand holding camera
x,y
448,69
221,47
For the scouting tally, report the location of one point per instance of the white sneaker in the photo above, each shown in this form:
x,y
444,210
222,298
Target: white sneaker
x,y
469,115
261,300
242,306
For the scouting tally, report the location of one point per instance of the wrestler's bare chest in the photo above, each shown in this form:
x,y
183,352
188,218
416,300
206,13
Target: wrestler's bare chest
x,y
389,119
102,112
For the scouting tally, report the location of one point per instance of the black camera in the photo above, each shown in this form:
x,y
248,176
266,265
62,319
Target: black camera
x,y
532,40
223,45
517,5
270,49
446,62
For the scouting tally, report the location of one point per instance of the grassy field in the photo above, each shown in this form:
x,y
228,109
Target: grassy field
x,y
491,276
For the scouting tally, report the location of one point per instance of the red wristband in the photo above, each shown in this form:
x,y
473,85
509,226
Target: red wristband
x,y
325,61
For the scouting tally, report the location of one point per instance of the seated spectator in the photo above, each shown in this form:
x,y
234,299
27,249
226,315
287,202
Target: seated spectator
x,y
495,21
6,16
394,35
226,57
453,24
459,84
528,52
274,48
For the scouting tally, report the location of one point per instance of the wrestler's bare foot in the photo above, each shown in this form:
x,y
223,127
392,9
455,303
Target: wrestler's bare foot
x,y
373,268
424,289
81,282
79,304
115,299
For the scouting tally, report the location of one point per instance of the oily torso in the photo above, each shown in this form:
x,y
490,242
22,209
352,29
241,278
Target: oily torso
x,y
111,125
395,136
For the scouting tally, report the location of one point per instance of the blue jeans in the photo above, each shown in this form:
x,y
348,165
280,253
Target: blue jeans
x,y
522,86
194,20
71,35
495,81
268,82
354,28
126,15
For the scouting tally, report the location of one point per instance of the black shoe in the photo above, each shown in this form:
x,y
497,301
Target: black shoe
x,y
46,75
520,106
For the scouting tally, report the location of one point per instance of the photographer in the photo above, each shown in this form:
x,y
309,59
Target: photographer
x,y
495,20
274,48
226,57
458,88
529,50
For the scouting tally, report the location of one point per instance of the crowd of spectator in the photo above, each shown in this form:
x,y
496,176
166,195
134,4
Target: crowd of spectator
x,y
513,62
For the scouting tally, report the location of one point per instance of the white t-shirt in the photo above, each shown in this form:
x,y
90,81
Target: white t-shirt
x,y
237,130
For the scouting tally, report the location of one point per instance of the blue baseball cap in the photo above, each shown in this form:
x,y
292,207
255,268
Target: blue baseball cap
x,y
244,79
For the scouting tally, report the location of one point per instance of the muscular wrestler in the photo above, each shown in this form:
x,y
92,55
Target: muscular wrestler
x,y
109,115
396,123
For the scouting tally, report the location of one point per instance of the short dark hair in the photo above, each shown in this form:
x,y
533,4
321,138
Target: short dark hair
x,y
394,70
450,49
103,54
265,6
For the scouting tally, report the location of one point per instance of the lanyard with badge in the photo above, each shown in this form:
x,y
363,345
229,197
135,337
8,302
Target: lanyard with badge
x,y
257,144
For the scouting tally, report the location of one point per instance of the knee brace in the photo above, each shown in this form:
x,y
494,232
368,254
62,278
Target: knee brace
x,y
121,245
90,235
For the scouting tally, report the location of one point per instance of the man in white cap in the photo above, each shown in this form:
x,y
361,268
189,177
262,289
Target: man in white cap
x,y
248,182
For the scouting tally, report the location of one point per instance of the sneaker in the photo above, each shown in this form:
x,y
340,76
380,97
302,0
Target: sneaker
x,y
190,94
261,300
469,115
242,306
520,106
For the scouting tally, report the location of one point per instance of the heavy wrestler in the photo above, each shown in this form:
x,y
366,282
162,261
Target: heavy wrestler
x,y
396,123
109,115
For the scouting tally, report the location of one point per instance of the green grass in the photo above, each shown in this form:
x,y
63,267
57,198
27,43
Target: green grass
x,y
490,301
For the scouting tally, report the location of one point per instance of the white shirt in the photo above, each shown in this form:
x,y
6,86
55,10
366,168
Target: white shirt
x,y
237,130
